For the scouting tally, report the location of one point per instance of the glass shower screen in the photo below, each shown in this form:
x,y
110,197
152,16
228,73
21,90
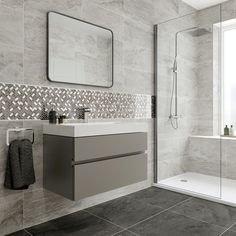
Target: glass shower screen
x,y
188,85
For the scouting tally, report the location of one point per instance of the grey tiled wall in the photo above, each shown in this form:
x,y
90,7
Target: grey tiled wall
x,y
211,156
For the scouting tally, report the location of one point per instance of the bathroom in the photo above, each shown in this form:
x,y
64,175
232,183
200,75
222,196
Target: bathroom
x,y
150,153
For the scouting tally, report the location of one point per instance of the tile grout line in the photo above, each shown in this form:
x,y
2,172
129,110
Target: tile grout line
x,y
122,15
126,196
164,210
127,228
23,28
192,218
117,232
104,220
228,229
141,201
127,231
124,231
133,232
28,232
138,200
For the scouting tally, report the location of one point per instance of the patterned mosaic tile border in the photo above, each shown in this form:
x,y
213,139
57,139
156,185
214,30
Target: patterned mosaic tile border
x,y
33,102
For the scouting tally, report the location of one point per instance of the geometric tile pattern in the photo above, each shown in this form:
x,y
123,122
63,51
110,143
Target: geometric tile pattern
x,y
33,102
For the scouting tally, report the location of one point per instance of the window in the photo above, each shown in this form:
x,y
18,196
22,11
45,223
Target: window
x,y
229,74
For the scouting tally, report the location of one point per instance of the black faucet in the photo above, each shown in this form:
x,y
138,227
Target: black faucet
x,y
83,113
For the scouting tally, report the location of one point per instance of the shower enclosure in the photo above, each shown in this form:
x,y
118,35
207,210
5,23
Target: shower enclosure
x,y
195,93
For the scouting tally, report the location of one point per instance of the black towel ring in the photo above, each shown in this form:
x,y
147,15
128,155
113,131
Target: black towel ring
x,y
18,130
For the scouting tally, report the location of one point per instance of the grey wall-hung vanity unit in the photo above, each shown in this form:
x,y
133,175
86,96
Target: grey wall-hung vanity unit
x,y
84,159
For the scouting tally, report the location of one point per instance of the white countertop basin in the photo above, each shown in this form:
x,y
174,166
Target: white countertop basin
x,y
94,128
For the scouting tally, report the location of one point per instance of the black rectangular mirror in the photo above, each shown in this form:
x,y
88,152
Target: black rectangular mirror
x,y
79,52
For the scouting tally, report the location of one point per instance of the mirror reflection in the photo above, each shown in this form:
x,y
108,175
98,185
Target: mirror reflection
x,y
79,52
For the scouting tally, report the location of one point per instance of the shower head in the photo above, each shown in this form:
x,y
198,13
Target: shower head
x,y
197,32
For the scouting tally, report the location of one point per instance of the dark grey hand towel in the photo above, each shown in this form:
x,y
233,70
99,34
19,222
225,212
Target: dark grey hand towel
x,y
20,168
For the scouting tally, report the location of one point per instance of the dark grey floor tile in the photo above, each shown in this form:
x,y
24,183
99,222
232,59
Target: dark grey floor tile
x,y
19,233
124,211
210,212
79,223
171,224
159,197
229,233
47,228
126,233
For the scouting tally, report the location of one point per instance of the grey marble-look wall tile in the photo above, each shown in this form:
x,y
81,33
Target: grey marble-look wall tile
x,y
118,54
211,156
11,26
144,79
144,62
204,156
184,9
140,10
35,19
228,9
41,205
116,6
228,148
104,18
11,64
11,213
171,9
17,4
119,82
35,68
138,34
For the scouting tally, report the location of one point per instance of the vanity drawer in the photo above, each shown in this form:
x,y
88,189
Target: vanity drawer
x,y
97,177
89,148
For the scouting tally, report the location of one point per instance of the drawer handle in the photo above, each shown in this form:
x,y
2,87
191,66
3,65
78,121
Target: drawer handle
x,y
105,158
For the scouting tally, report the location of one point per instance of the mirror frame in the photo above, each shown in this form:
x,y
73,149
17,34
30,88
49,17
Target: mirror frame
x,y
112,48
